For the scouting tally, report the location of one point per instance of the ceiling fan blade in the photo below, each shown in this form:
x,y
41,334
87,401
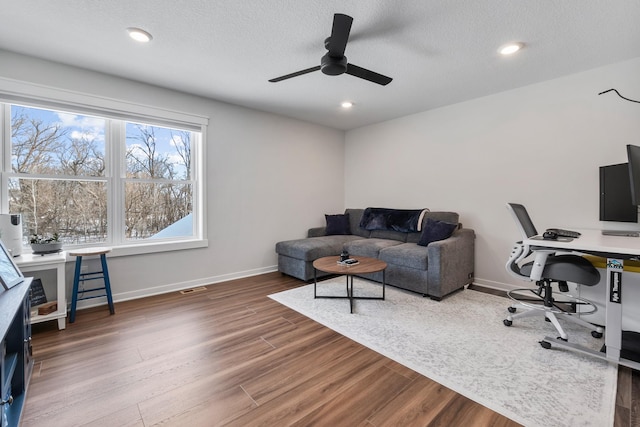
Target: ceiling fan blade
x,y
339,35
363,73
296,74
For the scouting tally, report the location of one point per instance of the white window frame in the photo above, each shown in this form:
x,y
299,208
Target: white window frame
x,y
12,92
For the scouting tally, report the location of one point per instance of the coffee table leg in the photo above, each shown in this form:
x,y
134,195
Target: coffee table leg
x,y
350,292
315,282
383,283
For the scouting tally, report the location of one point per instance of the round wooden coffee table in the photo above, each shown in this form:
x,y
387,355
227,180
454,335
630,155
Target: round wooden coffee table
x,y
365,265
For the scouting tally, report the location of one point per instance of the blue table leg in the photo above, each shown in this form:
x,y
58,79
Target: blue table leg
x,y
107,283
74,295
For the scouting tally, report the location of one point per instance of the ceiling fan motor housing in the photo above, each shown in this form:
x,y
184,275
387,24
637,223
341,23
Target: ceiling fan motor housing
x,y
334,63
333,66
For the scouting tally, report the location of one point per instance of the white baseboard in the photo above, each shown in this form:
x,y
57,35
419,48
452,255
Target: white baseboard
x,y
174,287
495,285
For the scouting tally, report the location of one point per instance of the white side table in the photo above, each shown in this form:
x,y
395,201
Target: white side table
x,y
56,261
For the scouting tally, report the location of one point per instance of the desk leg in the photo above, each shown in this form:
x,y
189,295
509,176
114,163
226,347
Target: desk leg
x,y
613,334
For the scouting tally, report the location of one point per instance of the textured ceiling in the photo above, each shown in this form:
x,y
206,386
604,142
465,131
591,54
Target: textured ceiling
x,y
439,52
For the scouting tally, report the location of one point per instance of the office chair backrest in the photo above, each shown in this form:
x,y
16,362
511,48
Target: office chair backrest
x,y
523,220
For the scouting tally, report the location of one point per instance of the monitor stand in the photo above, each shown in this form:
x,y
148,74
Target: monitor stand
x,y
621,233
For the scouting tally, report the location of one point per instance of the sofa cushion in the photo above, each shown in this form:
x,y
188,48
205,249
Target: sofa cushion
x,y
405,255
368,247
312,248
436,230
355,215
445,216
389,234
337,224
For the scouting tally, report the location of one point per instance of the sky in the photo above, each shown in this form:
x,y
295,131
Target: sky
x,y
93,128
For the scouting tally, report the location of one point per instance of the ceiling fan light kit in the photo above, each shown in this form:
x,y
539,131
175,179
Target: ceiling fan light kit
x,y
334,62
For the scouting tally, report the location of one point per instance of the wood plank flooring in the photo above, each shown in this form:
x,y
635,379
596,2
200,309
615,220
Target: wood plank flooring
x,y
231,356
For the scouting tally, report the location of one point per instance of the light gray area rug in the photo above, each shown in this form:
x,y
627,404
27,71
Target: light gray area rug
x,y
462,344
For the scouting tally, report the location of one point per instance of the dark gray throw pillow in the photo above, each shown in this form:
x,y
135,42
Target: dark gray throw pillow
x,y
436,230
337,224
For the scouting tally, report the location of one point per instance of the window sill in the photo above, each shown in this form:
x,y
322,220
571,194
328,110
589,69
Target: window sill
x,y
147,248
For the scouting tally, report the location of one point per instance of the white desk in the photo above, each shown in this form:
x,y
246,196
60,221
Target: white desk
x,y
615,249
29,262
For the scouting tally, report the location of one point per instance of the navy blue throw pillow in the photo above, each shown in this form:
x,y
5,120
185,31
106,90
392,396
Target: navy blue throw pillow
x,y
436,230
337,224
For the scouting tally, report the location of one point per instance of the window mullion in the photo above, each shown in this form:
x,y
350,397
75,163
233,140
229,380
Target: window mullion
x,y
115,188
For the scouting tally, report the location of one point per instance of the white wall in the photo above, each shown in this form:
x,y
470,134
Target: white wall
x,y
270,178
539,145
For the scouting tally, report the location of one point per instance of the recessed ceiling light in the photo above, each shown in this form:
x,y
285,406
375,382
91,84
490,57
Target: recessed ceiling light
x,y
510,48
139,35
346,104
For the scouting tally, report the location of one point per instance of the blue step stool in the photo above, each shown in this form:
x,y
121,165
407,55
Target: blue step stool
x,y
83,277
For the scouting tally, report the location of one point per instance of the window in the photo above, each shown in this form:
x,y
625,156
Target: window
x,y
158,189
100,180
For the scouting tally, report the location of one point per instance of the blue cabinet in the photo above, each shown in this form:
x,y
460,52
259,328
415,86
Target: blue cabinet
x,y
16,363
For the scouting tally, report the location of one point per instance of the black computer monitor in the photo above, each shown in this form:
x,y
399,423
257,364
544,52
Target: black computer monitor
x,y
633,155
615,194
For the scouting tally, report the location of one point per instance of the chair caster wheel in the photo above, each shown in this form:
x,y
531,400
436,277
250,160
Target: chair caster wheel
x,y
563,339
596,334
511,309
545,344
507,322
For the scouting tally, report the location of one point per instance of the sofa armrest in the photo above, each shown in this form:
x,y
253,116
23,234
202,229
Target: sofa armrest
x,y
317,232
450,263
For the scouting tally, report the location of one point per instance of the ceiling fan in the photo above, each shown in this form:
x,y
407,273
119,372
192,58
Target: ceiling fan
x,y
334,63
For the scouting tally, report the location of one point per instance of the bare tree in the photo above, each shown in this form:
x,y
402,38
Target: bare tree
x,y
63,200
182,143
34,144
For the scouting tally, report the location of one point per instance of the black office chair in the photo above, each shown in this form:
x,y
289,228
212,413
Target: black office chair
x,y
558,269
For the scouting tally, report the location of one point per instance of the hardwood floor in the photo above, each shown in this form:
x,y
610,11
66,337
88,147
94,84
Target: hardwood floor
x,y
231,356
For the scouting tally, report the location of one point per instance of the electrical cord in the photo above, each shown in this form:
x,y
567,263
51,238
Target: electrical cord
x,y
626,99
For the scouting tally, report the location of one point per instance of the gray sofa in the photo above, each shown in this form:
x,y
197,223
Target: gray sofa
x,y
435,270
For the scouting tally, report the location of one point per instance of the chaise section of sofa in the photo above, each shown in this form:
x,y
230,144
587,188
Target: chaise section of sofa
x,y
295,257
435,270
